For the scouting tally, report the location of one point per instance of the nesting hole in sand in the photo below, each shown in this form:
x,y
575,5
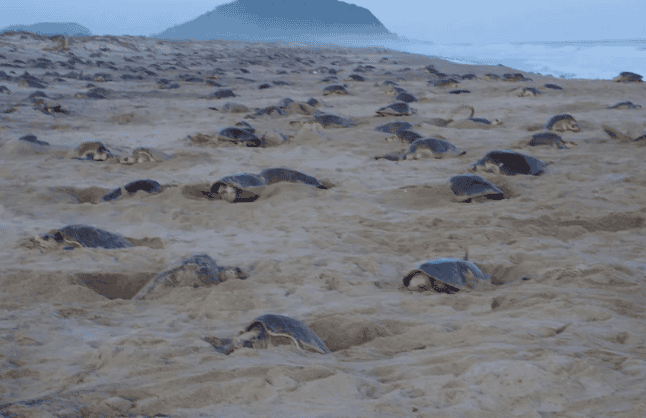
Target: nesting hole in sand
x,y
114,285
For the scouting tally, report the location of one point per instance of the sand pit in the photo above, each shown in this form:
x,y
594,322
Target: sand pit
x,y
557,331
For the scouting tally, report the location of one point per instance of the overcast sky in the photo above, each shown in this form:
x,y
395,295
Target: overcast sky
x,y
472,21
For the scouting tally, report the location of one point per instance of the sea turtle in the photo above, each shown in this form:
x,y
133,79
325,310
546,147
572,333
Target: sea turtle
x,y
407,135
144,155
231,107
562,123
393,127
431,147
509,163
237,135
426,148
445,275
628,77
396,109
465,114
148,186
334,89
356,77
444,82
515,77
273,111
529,92
93,151
270,330
625,105
272,138
406,97
276,175
332,121
75,236
301,109
239,187
472,188
550,139
221,94
198,270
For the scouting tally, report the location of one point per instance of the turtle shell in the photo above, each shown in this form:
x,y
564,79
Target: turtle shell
x,y
448,275
444,82
439,147
393,127
88,236
272,326
469,187
396,109
562,123
510,163
195,271
247,186
333,121
239,136
93,151
146,155
406,97
275,175
148,186
624,105
334,89
547,138
407,135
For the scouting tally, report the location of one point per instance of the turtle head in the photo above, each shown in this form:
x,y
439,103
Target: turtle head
x,y
53,240
227,192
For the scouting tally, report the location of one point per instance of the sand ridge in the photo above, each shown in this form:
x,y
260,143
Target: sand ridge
x,y
567,342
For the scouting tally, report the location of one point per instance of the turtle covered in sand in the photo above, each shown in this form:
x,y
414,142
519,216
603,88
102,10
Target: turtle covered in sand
x,y
147,185
472,188
426,148
76,236
548,139
271,330
445,275
239,187
196,271
509,163
562,123
396,109
144,155
93,151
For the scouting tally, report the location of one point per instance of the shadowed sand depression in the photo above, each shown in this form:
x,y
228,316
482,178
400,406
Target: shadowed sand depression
x,y
567,216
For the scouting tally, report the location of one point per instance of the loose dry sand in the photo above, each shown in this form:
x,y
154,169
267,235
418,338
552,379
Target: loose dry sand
x,y
569,342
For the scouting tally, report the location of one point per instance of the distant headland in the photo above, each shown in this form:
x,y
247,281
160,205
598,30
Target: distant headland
x,y
262,20
50,28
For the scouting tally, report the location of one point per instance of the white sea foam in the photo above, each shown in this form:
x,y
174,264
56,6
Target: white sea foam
x,y
592,60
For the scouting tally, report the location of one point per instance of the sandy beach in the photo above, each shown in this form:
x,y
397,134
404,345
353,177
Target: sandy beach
x,y
557,331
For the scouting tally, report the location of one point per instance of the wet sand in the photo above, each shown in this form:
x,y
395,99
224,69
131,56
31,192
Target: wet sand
x,y
569,341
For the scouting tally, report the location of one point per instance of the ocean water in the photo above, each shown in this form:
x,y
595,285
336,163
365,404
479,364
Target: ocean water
x,y
584,59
